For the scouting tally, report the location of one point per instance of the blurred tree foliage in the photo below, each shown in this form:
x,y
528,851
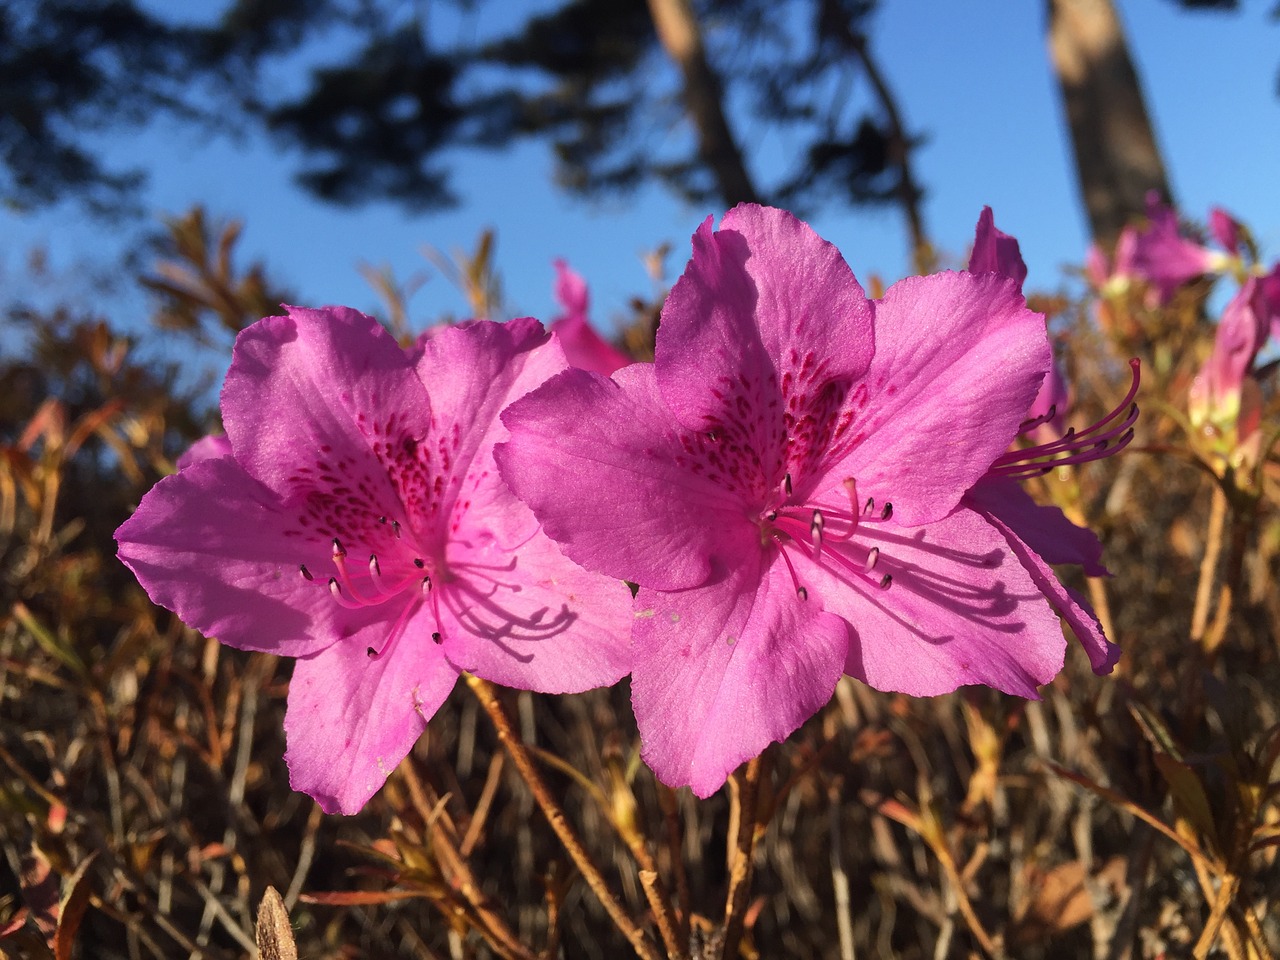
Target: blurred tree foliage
x,y
383,115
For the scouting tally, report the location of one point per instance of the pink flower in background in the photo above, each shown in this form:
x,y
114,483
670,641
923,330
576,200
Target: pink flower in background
x,y
1216,391
1226,229
786,485
1164,258
584,348
353,518
996,252
206,448
1269,284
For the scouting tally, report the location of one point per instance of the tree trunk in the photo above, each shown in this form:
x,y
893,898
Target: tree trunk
x,y
1117,158
678,30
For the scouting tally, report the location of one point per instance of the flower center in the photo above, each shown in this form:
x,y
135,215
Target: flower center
x,y
826,534
358,586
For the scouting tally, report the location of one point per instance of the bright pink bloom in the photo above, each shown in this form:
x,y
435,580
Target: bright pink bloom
x,y
359,524
584,348
785,484
1163,257
1215,393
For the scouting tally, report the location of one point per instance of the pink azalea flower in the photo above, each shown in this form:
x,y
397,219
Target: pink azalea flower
x,y
1163,257
584,348
359,524
1216,391
786,485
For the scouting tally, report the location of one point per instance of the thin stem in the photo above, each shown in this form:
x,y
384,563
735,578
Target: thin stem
x,y
743,860
1213,548
671,815
1230,584
661,909
511,742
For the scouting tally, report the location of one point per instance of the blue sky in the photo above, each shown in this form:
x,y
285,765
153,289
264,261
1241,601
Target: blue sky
x,y
973,76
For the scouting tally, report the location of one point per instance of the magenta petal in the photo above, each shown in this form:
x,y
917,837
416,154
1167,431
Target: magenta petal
x,y
571,290
728,669
586,349
996,252
618,483
352,718
959,360
322,384
475,371
762,338
535,620
1046,530
1073,608
961,609
213,545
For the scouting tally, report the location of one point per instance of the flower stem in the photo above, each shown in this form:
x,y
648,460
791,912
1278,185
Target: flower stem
x,y
1209,564
743,860
524,764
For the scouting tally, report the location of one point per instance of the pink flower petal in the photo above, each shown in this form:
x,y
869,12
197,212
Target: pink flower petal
x,y
996,252
206,448
352,718
728,669
1102,653
961,609
476,371
537,621
1045,530
213,545
621,486
959,360
762,338
327,386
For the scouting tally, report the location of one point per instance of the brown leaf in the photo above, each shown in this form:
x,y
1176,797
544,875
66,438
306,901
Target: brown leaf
x,y
273,933
1060,900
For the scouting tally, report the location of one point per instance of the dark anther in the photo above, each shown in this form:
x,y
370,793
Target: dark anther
x,y
337,548
436,638
802,593
887,512
869,506
395,528
370,652
816,525
771,516
886,581
419,562
786,484
382,519
306,574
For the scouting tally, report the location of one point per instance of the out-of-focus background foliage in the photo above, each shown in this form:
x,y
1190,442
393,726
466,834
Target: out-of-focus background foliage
x,y
144,805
